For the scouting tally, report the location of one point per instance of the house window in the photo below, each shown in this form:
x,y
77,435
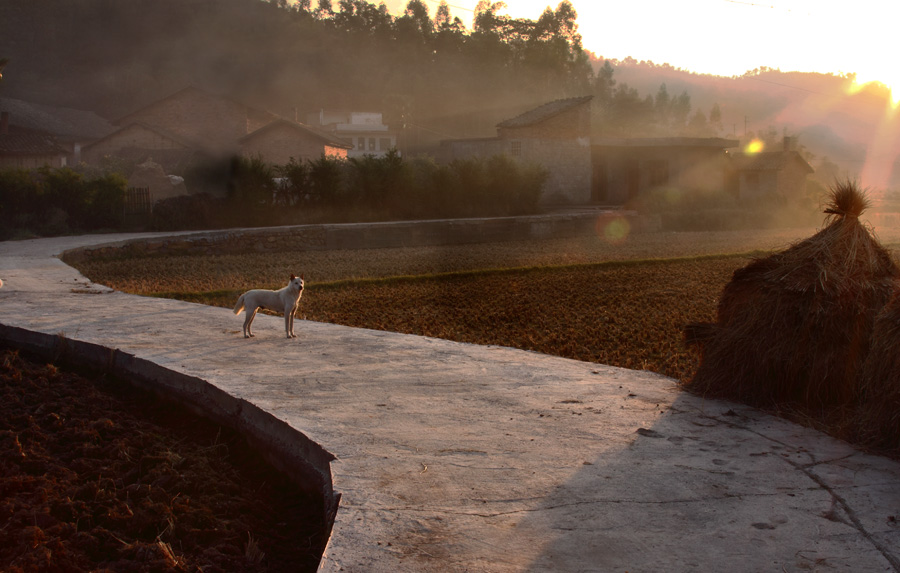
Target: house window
x,y
515,148
384,143
361,143
371,144
659,172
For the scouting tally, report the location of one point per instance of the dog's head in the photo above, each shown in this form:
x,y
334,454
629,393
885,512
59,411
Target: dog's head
x,y
297,282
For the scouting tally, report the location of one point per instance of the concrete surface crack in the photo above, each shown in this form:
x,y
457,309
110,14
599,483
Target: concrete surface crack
x,y
837,499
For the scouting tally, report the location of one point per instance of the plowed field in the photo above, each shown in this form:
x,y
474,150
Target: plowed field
x,y
584,298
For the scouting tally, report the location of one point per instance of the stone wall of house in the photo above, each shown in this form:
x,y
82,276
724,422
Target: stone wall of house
x,y
214,122
32,161
792,184
372,235
469,148
569,168
765,184
133,136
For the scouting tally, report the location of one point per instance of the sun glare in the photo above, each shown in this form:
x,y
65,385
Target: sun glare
x,y
859,84
613,230
755,146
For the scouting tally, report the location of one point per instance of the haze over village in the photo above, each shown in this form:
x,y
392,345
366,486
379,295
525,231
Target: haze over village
x,y
422,81
590,286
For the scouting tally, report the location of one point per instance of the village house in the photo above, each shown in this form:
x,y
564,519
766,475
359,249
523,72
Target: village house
x,y
193,124
770,174
555,136
282,140
28,149
66,128
625,169
364,131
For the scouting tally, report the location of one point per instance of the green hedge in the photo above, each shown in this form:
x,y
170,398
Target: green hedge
x,y
58,201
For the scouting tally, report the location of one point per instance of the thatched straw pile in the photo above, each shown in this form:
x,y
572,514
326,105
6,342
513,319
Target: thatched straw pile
x,y
795,327
878,415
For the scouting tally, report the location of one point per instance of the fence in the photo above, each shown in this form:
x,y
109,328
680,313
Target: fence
x,y
138,206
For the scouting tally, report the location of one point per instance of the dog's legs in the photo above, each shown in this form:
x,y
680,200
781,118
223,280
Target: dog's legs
x,y
289,323
248,321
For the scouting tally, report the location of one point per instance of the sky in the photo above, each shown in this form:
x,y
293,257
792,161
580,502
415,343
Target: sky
x,y
729,37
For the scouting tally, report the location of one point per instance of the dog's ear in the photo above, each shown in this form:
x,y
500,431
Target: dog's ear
x,y
301,277
292,276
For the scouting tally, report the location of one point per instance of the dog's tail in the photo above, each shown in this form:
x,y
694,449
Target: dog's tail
x,y
239,306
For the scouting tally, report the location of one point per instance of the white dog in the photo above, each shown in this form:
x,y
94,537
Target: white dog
x,y
284,300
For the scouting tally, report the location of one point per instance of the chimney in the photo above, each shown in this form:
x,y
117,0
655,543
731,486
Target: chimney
x,y
790,143
4,122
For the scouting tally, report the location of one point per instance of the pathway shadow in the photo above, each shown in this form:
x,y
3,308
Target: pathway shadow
x,y
712,485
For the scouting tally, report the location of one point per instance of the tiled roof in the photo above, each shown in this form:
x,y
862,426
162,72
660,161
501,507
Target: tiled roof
x,y
26,142
187,143
63,122
328,139
199,94
717,142
545,112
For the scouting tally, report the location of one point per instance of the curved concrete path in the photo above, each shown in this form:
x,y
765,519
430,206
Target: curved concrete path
x,y
456,457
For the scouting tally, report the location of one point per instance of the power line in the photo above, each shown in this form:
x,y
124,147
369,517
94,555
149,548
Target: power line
x,y
783,85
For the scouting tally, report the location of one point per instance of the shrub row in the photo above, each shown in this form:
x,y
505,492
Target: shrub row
x,y
57,201
391,186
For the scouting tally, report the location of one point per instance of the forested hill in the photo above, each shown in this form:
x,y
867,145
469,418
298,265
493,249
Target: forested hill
x,y
845,128
429,73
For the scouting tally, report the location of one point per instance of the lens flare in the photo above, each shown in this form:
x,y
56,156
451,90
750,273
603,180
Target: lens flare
x,y
859,84
613,230
754,146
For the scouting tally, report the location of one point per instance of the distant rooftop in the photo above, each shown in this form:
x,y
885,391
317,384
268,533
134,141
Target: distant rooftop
x,y
545,112
65,123
768,161
718,142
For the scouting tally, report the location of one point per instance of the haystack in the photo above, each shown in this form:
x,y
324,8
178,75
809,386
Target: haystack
x,y
878,414
795,327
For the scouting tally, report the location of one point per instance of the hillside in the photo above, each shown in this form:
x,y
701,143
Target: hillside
x,y
429,75
833,118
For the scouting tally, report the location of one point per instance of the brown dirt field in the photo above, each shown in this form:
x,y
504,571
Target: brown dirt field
x,y
569,297
206,273
98,476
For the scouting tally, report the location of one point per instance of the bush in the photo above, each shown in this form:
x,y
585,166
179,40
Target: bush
x,y
56,201
50,201
200,211
252,182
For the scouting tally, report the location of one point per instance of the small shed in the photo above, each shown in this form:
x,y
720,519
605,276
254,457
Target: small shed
x,y
627,168
778,174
